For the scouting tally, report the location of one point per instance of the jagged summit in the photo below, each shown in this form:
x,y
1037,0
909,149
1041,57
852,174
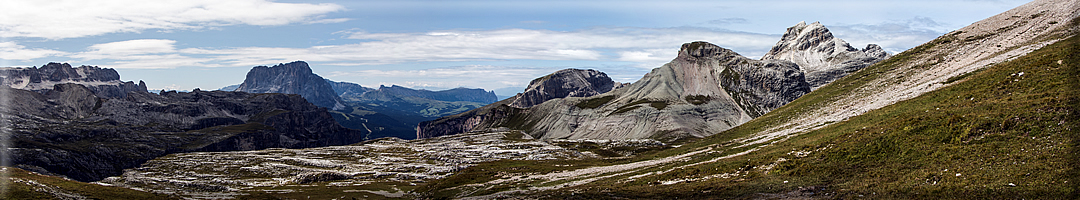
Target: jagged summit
x,y
564,83
821,56
103,82
292,78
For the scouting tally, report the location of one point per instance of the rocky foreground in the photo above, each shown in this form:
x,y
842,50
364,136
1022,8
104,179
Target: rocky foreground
x,y
380,167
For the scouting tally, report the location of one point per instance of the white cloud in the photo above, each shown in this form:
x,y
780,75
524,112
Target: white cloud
x,y
647,45
13,51
729,21
126,49
894,36
329,21
141,54
80,18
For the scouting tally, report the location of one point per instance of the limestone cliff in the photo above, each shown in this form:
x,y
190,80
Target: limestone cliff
x,y
292,78
103,82
822,57
562,84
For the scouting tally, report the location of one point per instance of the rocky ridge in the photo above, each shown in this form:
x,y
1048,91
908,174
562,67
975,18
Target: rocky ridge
x,y
72,132
347,89
103,82
822,57
292,78
562,84
705,90
456,94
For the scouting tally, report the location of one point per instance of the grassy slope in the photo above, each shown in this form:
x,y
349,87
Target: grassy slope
x,y
994,134
19,189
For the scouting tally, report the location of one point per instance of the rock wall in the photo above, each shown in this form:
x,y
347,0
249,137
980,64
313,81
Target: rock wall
x,y
292,78
562,84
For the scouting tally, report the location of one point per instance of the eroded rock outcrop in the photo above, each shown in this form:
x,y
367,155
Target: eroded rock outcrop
x,y
822,57
292,78
562,84
103,82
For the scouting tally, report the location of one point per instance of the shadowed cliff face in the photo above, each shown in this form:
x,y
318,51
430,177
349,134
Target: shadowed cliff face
x,y
72,132
103,82
292,78
562,84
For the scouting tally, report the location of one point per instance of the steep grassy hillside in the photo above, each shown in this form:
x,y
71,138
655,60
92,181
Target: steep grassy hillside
x,y
1008,131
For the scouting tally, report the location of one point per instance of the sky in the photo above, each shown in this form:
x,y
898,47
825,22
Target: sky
x,y
497,45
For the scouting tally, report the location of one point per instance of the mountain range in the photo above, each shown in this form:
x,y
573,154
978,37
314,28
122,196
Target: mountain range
x,y
102,82
69,130
705,90
384,112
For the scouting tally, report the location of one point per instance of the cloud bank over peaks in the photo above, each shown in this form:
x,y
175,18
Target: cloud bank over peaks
x,y
893,36
631,44
643,47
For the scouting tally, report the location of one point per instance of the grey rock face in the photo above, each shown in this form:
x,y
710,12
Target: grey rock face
x,y
103,82
562,84
292,78
821,56
705,90
72,132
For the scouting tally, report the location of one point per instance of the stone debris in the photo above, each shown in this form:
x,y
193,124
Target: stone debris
x,y
226,174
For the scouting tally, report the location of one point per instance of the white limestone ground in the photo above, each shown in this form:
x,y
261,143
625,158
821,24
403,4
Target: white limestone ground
x,y
229,174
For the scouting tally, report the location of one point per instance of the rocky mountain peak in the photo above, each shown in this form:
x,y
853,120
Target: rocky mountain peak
x,y
103,82
704,49
821,56
292,78
564,83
